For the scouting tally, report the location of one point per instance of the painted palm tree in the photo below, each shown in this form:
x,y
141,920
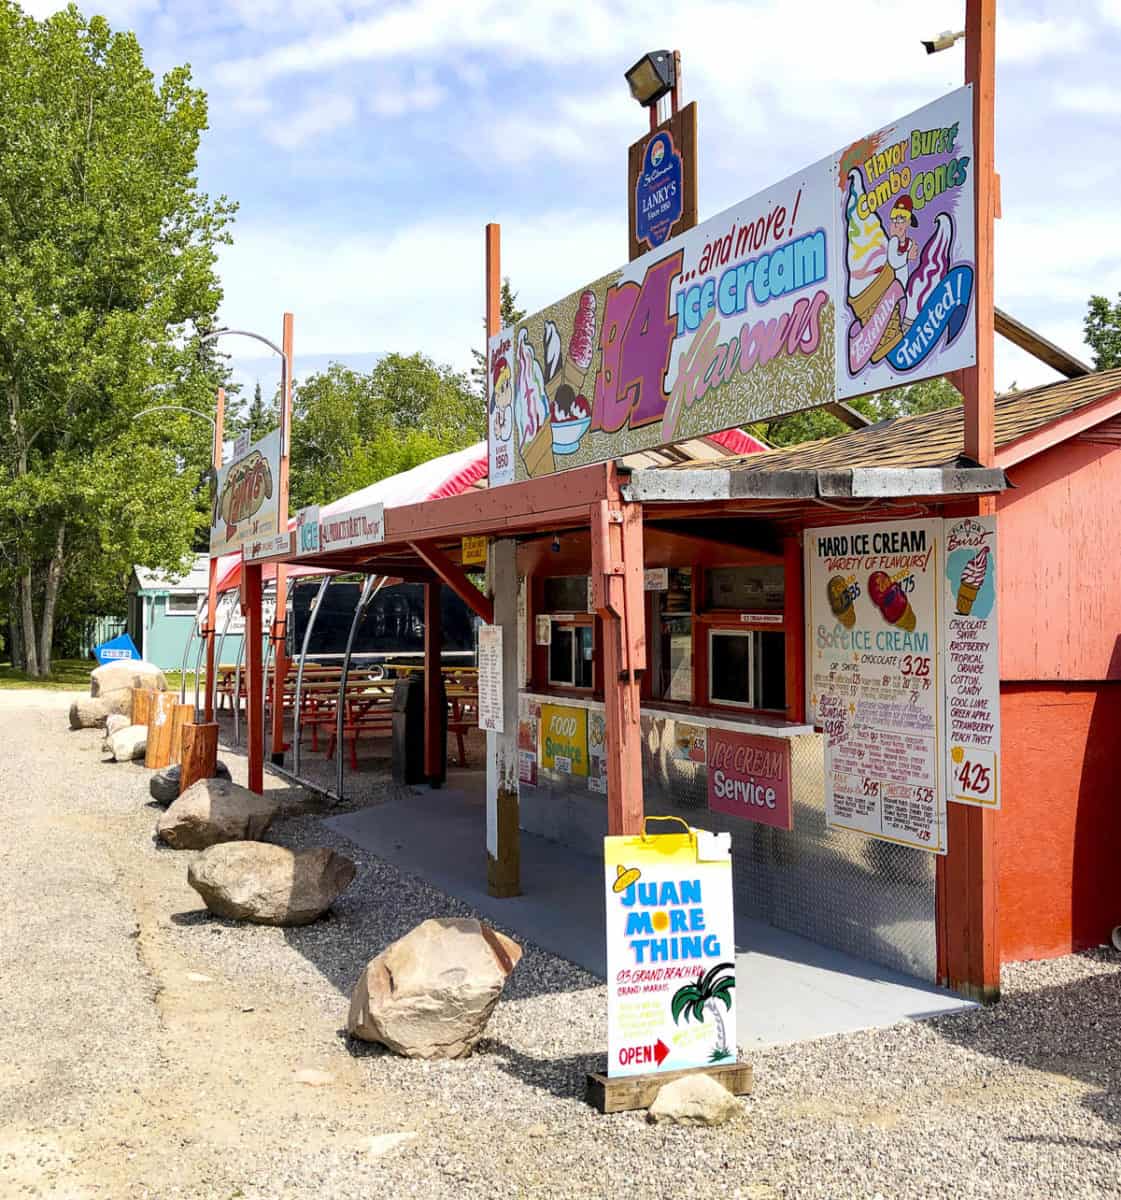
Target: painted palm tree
x,y
695,999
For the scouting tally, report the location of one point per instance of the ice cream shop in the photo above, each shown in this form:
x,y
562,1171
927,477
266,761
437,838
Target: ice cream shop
x,y
884,662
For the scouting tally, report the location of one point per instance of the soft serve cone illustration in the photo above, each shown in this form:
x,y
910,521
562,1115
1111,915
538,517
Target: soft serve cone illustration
x,y
531,411
972,580
874,292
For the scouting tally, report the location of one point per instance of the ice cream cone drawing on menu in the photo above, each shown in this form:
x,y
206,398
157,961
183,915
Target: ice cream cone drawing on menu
x,y
972,580
531,411
890,598
840,601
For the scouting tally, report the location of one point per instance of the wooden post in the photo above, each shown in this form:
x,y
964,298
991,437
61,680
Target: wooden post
x,y
503,833
199,759
279,621
255,734
141,705
157,753
435,706
617,596
181,714
212,585
966,877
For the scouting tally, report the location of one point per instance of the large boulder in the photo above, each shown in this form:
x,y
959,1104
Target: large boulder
x,y
431,993
92,712
126,673
164,785
128,743
269,885
213,811
693,1100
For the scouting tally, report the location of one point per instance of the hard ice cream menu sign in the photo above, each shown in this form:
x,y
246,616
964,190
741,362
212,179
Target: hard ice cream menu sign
x,y
875,677
853,274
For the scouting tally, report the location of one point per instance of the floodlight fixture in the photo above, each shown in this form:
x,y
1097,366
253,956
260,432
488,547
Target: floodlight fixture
x,y
652,77
943,41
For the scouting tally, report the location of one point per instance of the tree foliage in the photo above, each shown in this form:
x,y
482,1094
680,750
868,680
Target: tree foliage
x,y
350,429
509,314
1102,328
107,252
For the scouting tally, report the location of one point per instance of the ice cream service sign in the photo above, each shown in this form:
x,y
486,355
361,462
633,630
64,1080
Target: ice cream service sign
x,y
245,508
749,777
853,274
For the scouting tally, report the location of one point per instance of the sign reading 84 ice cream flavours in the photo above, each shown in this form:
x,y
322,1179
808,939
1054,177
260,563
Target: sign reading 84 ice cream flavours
x,y
873,597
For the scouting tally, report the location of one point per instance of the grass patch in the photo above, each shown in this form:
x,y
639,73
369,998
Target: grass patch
x,y
68,675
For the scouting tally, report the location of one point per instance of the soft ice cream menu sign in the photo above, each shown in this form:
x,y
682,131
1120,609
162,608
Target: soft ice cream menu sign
x,y
875,676
972,670
851,275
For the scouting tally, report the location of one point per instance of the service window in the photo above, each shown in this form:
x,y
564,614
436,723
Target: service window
x,y
180,604
566,594
570,655
746,589
747,668
671,640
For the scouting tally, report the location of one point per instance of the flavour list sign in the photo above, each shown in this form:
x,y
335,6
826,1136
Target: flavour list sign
x,y
490,678
972,670
671,952
873,596
853,274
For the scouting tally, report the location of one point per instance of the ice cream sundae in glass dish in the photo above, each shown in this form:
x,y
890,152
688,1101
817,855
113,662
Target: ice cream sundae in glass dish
x,y
571,415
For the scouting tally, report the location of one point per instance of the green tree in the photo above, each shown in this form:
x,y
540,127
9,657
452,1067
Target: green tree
x,y
1102,328
509,314
695,999
350,429
259,418
107,253
928,395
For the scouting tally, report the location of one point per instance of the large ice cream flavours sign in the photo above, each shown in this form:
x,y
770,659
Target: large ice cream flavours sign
x,y
851,275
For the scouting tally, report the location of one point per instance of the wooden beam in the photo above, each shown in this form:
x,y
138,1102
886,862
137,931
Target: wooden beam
x,y
629,1092
848,415
455,578
255,691
1038,346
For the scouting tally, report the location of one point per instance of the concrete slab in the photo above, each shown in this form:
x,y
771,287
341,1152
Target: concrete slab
x,y
789,988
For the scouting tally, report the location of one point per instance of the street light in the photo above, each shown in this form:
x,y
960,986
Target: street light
x,y
225,331
195,412
943,41
652,77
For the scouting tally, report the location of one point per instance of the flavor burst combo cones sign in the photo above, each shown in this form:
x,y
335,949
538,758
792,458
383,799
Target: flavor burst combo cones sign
x,y
671,972
854,274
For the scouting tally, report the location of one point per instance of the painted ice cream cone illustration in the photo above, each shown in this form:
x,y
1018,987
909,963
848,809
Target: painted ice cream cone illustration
x,y
531,411
972,580
891,600
870,276
934,262
840,601
582,342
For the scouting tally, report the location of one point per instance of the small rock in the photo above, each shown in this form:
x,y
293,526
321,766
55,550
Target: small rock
x,y
384,1142
164,785
431,993
269,885
126,675
693,1100
313,1078
198,977
115,722
128,743
213,811
537,1131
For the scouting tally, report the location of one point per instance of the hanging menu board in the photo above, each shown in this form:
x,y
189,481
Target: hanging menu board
x,y
972,763
490,678
873,596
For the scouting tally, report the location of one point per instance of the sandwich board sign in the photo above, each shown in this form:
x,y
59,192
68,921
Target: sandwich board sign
x,y
671,952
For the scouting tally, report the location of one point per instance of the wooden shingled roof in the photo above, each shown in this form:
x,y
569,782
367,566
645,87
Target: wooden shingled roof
x,y
931,439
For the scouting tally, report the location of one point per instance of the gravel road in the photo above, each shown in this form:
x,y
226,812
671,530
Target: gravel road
x,y
149,1051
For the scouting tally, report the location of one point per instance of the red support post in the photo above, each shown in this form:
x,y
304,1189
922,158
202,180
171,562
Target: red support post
x,y
279,621
617,596
212,584
966,877
435,707
251,604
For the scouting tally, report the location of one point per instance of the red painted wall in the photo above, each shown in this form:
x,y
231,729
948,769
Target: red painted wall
x,y
1059,830
1060,599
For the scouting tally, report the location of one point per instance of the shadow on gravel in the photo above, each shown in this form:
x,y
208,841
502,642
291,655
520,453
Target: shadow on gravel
x,y
562,1077
1071,1029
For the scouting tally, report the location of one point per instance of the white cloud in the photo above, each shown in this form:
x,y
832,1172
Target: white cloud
x,y
399,100
1098,100
324,114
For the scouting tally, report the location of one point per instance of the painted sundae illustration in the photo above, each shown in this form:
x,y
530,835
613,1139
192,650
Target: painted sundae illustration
x,y
551,411
891,600
840,601
972,580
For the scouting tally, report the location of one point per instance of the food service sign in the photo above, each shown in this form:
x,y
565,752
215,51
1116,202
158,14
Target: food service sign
x,y
246,499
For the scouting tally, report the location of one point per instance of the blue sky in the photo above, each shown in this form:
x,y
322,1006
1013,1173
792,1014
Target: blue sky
x,y
369,142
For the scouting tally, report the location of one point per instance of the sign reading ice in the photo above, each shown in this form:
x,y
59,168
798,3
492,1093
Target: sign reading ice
x,y
854,274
